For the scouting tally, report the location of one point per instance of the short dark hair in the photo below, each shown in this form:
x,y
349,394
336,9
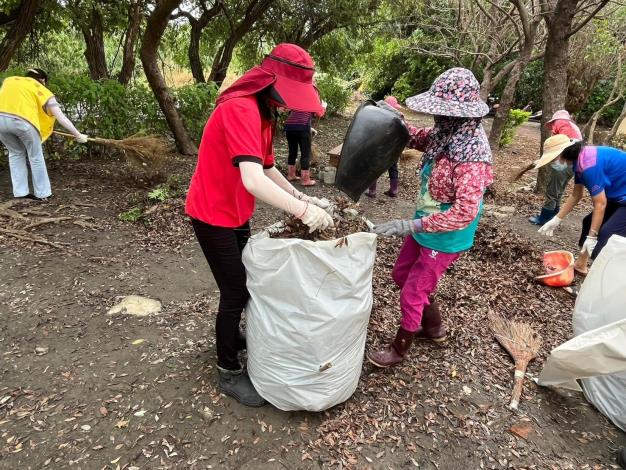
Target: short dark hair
x,y
571,153
37,74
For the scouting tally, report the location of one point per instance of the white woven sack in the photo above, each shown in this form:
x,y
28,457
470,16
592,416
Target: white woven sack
x,y
307,318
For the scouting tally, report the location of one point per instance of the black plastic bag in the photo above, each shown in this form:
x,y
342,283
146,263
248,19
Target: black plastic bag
x,y
373,143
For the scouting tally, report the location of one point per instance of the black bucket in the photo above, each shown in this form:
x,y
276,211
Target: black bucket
x,y
374,142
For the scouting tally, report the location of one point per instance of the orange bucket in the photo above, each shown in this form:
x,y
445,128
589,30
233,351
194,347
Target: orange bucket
x,y
559,266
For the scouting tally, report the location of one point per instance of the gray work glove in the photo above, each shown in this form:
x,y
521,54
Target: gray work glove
x,y
395,228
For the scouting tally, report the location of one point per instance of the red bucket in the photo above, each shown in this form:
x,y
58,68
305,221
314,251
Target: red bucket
x,y
559,266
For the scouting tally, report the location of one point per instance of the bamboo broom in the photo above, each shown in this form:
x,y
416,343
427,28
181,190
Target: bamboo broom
x,y
148,149
521,173
522,343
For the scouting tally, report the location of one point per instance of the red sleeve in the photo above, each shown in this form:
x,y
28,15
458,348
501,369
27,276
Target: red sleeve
x,y
268,139
241,128
470,181
418,138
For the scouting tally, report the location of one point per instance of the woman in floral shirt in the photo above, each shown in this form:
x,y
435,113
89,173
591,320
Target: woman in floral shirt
x,y
456,169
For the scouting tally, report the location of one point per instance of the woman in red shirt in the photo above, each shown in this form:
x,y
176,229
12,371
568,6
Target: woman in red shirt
x,y
236,166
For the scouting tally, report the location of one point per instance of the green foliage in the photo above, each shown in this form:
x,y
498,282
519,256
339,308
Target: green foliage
x,y
133,215
516,118
598,97
334,92
383,66
160,194
393,68
195,103
174,187
530,86
105,108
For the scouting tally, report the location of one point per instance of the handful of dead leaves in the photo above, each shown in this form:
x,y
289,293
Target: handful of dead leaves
x,y
346,217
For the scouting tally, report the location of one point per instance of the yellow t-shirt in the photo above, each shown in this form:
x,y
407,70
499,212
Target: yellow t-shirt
x,y
26,98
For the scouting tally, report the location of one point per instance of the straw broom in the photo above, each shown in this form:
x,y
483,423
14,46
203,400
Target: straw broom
x,y
523,171
522,343
148,149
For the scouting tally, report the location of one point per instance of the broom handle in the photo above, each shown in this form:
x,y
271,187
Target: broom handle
x,y
65,134
520,372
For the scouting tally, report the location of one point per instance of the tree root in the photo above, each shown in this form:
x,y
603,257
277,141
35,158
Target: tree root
x,y
48,220
21,235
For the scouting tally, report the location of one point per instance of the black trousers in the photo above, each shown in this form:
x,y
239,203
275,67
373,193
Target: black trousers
x,y
300,139
222,248
614,223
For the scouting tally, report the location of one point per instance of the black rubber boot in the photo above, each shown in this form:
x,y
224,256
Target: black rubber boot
x,y
544,216
236,384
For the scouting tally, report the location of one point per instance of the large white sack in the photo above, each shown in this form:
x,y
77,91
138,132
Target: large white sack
x,y
597,354
307,318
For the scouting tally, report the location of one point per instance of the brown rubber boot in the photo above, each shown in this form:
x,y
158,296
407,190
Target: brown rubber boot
x,y
432,328
395,352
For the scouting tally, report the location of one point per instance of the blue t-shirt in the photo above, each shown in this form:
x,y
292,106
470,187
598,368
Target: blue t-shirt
x,y
602,169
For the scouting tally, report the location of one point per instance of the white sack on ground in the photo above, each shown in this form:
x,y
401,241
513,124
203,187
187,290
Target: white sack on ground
x,y
307,318
597,354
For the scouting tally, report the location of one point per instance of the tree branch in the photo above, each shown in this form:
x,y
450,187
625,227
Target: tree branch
x,y
591,15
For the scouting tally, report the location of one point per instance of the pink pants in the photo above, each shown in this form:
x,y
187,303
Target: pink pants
x,y
417,272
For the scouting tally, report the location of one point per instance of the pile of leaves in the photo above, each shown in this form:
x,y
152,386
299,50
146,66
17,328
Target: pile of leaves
x,y
346,217
459,390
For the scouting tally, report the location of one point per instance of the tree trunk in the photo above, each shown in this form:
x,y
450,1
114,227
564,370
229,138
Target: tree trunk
x,y
155,27
485,85
506,103
130,42
18,31
94,46
222,59
194,52
555,71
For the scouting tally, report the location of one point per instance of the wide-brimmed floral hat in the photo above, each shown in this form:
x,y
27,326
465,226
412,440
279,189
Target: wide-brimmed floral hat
x,y
456,92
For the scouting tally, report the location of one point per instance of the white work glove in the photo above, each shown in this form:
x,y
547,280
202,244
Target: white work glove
x,y
316,218
589,245
313,132
322,203
547,229
81,138
394,228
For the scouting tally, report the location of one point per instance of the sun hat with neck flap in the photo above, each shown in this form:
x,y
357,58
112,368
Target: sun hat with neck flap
x,y
289,69
455,93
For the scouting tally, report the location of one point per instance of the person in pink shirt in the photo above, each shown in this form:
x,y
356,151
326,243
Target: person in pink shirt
x,y
560,174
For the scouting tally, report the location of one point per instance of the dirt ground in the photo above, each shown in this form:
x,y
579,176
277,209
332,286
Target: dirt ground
x,y
83,389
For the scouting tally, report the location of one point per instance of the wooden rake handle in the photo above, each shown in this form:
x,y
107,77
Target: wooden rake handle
x,y
71,136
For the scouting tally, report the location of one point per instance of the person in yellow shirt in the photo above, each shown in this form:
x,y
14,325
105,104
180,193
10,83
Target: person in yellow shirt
x,y
28,111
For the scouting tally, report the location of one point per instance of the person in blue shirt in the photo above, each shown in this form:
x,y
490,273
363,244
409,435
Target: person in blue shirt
x,y
602,170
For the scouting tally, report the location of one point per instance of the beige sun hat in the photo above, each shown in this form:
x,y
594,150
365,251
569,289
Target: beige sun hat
x,y
553,147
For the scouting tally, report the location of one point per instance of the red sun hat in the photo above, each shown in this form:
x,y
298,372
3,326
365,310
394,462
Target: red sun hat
x,y
293,68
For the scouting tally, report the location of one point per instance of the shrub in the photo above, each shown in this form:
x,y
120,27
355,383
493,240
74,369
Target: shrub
x,y
516,118
105,108
195,103
334,93
133,215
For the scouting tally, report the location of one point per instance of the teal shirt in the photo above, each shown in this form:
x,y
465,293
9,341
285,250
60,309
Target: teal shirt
x,y
446,242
